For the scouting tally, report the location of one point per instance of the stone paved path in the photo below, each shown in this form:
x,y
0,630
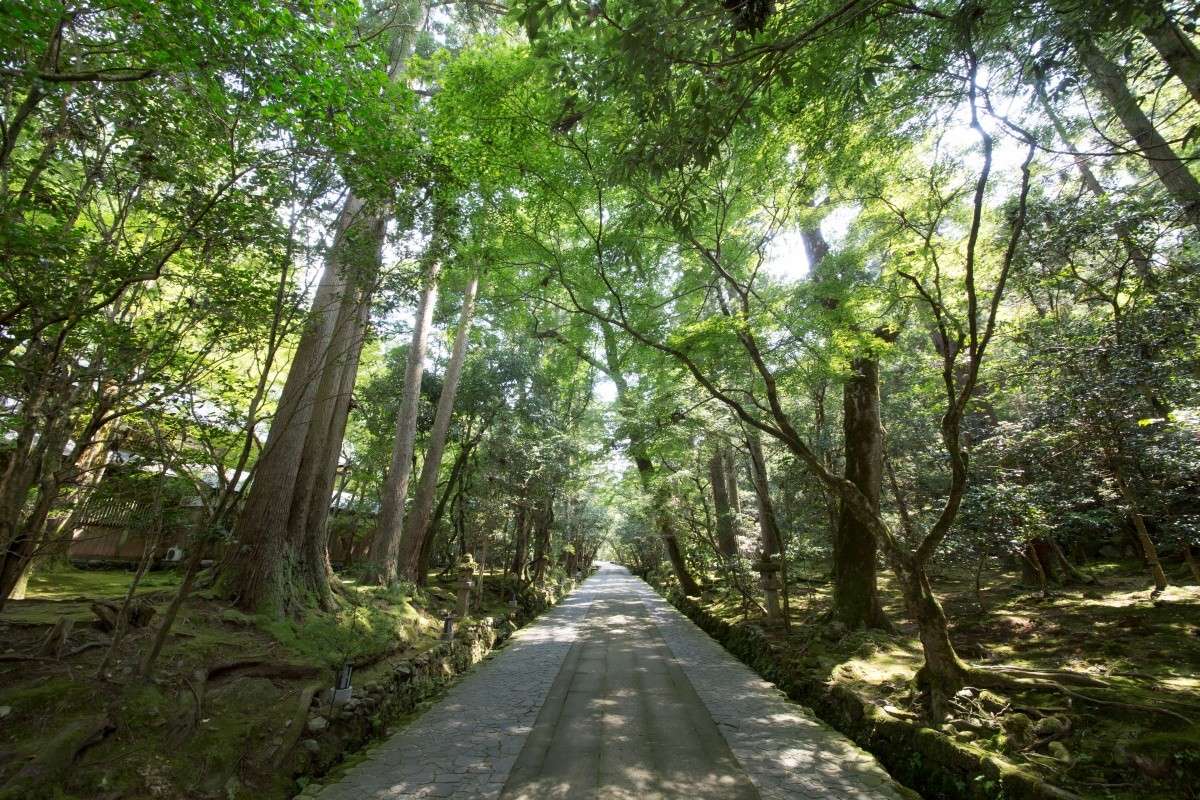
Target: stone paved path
x,y
612,695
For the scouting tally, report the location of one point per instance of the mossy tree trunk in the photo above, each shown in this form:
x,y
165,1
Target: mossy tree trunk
x,y
855,594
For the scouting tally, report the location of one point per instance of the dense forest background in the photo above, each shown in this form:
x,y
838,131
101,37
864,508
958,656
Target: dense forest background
x,y
869,323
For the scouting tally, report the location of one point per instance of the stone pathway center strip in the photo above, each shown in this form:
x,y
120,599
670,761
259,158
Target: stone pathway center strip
x,y
465,745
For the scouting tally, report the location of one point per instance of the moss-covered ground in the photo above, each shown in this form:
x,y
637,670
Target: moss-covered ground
x,y
176,735
1135,734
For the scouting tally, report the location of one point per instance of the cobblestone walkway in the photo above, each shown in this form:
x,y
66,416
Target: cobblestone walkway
x,y
787,752
615,694
466,744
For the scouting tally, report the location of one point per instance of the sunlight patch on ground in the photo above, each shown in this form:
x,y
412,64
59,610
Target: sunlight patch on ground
x,y
892,664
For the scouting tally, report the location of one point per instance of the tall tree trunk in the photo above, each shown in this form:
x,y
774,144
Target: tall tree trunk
x,y
611,366
316,571
1142,535
943,672
1175,47
768,524
456,476
1107,78
1035,567
543,521
521,522
331,405
666,531
731,479
22,527
726,535
1149,551
664,525
416,526
385,546
1139,257
855,596
1189,558
259,573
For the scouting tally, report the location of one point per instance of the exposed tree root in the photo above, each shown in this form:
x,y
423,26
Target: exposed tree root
x,y
253,667
992,679
56,756
55,642
1045,740
1061,675
257,668
296,729
20,657
83,648
16,657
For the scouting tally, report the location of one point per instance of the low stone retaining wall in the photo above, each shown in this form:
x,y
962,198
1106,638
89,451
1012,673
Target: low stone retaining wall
x,y
919,757
330,735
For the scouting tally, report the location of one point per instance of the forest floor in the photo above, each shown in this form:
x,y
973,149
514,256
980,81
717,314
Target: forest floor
x,y
1134,734
182,734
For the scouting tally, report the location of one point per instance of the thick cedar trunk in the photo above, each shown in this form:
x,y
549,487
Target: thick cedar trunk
x,y
726,536
855,597
315,567
417,523
259,574
262,572
331,404
385,547
1175,47
1107,78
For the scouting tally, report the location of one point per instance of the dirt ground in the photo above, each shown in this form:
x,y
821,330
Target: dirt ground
x,y
69,733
